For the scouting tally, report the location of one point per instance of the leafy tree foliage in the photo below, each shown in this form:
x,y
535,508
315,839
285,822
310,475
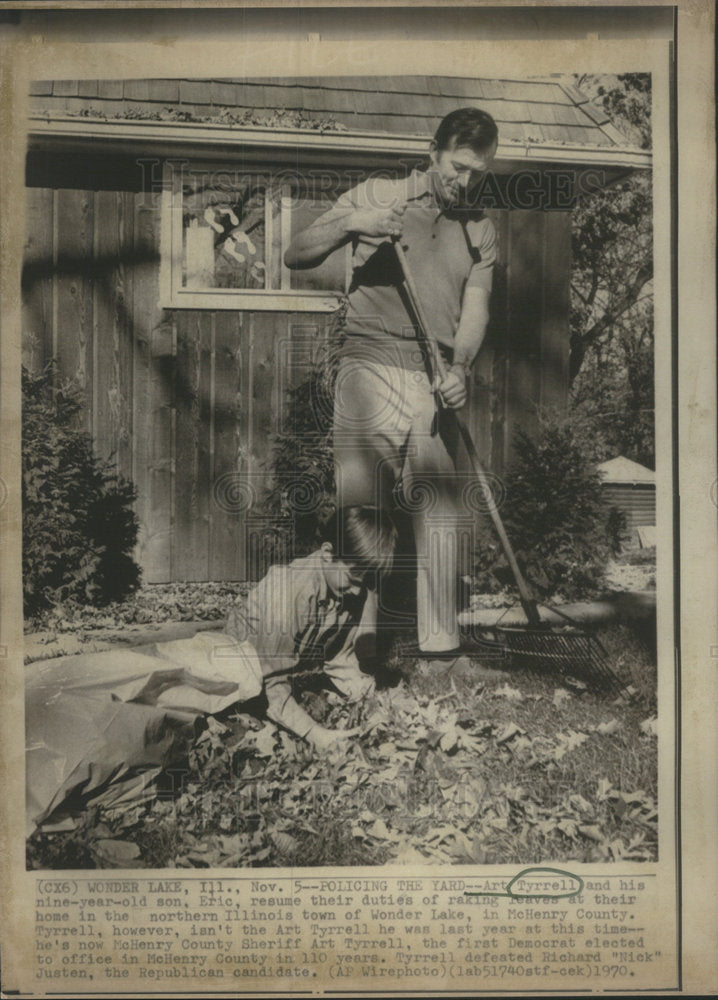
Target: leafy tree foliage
x,y
612,292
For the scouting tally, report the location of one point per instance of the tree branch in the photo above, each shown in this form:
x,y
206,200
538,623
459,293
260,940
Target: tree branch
x,y
625,301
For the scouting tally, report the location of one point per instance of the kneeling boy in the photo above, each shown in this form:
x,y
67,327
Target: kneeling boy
x,y
319,609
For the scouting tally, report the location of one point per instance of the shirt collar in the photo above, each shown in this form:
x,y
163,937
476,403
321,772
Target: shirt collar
x,y
419,186
321,587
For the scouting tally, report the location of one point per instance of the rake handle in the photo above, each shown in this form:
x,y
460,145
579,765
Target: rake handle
x,y
527,601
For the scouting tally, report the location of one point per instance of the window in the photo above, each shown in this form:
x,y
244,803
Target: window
x,y
225,232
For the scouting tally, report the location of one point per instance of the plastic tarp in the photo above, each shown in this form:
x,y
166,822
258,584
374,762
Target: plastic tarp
x,y
101,726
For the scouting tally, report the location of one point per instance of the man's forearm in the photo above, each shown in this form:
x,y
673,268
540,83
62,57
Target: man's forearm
x,y
472,326
310,247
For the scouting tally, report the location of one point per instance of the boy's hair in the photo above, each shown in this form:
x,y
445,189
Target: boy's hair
x,y
364,537
470,127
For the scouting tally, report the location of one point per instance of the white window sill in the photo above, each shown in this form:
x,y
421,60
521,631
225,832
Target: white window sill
x,y
274,300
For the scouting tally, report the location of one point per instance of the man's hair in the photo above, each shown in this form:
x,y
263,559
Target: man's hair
x,y
364,537
470,127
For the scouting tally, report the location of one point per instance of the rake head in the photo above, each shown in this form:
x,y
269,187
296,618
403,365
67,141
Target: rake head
x,y
564,650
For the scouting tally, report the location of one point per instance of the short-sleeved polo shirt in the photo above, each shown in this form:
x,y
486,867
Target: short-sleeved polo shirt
x,y
447,250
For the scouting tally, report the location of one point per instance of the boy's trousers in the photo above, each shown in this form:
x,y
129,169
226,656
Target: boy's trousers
x,y
393,447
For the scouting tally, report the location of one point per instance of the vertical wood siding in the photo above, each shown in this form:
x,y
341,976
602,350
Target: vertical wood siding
x,y
187,403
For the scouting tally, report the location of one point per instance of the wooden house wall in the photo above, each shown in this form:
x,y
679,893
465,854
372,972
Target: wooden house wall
x,y
183,400
636,500
523,363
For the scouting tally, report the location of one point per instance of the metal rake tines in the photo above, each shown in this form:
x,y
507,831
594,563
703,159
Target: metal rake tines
x,y
578,653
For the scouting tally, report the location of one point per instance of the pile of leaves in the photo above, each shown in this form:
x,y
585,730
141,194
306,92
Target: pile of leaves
x,y
79,527
152,604
445,770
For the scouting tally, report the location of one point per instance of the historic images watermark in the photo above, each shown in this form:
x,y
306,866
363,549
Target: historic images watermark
x,y
549,189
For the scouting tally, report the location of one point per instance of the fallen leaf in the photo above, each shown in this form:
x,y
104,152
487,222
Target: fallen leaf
x,y
379,830
620,807
592,832
462,846
422,811
409,855
604,787
576,683
469,796
514,793
449,739
234,844
509,730
467,742
264,740
567,826
378,718
578,802
438,833
546,826
116,853
284,842
605,728
567,742
508,692
650,726
561,695
478,852
443,833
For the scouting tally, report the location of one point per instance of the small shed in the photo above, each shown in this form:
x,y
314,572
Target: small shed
x,y
632,488
157,214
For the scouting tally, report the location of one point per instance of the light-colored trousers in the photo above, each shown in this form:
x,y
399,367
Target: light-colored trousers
x,y
393,448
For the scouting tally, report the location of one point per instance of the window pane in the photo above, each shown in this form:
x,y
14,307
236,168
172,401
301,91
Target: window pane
x,y
224,230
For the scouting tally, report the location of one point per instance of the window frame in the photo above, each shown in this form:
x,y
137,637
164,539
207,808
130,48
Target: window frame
x,y
173,295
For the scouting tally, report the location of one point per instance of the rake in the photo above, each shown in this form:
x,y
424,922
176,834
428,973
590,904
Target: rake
x,y
539,645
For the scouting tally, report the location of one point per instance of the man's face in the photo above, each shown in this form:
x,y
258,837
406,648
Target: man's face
x,y
456,168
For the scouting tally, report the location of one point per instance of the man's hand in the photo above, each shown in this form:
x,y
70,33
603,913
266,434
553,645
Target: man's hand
x,y
378,221
332,230
453,389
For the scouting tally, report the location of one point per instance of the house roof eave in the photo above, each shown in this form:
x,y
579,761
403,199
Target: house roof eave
x,y
183,138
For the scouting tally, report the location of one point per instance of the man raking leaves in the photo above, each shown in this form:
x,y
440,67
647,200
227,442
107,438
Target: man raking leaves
x,y
389,433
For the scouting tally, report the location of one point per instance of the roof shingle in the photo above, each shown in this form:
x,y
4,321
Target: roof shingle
x,y
525,110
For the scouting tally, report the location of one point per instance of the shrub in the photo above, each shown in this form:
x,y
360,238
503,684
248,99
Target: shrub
x,y
555,515
303,492
78,524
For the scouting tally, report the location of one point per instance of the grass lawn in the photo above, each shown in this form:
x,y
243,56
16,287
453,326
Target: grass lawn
x,y
480,769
